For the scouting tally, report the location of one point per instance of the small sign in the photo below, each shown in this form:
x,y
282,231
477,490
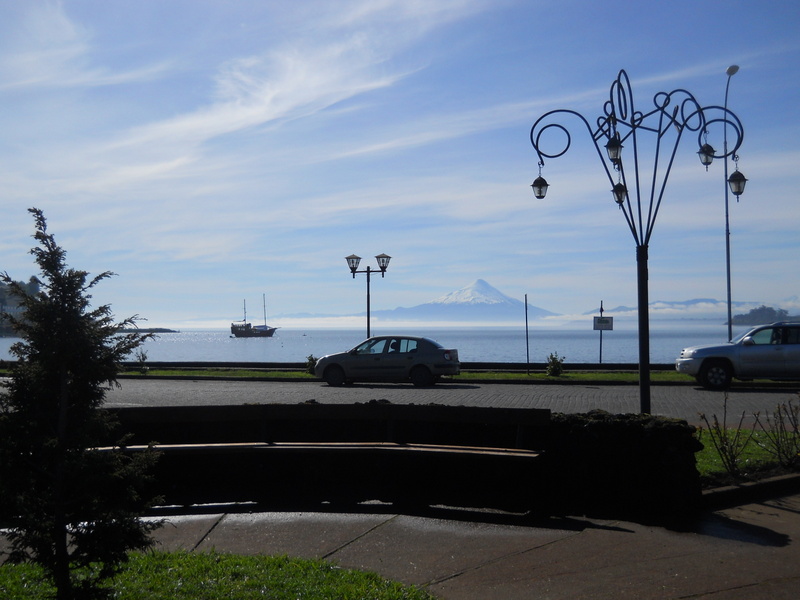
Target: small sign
x,y
603,323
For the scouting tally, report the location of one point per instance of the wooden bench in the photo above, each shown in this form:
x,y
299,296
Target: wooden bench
x,y
296,455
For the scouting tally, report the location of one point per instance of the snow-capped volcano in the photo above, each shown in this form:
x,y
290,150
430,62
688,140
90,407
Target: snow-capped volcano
x,y
478,302
478,292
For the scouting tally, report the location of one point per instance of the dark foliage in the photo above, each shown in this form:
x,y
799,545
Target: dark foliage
x,y
69,506
763,315
622,465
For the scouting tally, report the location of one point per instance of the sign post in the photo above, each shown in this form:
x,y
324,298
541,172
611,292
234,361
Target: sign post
x,y
601,324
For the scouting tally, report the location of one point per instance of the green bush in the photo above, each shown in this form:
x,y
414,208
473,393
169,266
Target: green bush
x,y
555,365
311,362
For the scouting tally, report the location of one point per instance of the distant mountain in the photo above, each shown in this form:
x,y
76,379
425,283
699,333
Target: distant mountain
x,y
697,308
479,302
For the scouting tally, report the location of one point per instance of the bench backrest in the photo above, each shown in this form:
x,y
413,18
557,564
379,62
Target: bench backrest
x,y
371,422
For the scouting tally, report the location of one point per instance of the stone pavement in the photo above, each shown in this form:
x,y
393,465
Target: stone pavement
x,y
749,551
683,401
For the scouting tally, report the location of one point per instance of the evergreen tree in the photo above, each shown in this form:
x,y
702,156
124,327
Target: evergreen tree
x,y
69,505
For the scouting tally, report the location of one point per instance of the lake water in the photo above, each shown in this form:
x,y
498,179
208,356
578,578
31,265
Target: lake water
x,y
479,344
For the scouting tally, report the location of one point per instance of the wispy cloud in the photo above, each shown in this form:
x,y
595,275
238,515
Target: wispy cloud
x,y
45,49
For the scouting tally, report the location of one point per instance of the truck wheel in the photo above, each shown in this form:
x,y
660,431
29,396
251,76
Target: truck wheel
x,y
715,375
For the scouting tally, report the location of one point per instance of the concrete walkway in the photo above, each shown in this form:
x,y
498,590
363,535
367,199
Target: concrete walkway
x,y
749,551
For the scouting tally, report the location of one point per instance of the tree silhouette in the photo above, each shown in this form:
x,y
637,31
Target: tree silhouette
x,y
69,505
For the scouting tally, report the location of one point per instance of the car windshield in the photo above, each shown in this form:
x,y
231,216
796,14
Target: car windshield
x,y
741,336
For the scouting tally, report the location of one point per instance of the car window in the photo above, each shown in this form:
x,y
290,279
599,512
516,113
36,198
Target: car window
x,y
770,335
791,335
372,347
402,345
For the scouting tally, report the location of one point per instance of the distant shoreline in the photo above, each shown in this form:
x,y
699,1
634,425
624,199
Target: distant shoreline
x,y
148,330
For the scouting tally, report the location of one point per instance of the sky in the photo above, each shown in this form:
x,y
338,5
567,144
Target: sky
x,y
211,151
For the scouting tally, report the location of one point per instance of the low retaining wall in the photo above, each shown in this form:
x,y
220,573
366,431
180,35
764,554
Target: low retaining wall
x,y
296,455
593,464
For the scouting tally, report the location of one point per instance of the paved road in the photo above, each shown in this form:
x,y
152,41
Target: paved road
x,y
680,401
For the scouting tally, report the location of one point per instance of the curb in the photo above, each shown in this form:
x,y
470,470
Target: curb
x,y
750,492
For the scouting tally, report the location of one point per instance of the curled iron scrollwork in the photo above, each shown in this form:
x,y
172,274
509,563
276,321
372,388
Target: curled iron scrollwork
x,y
673,114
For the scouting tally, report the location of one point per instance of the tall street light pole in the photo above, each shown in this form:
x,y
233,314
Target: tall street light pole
x,y
637,195
730,72
736,182
353,262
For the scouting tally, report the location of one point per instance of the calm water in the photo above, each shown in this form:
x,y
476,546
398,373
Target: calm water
x,y
489,344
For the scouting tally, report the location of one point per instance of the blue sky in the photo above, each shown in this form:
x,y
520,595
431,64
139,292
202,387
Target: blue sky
x,y
209,151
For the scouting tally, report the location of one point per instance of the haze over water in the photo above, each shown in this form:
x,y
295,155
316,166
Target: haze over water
x,y
479,344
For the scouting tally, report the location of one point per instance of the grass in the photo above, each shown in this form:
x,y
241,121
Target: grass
x,y
611,377
620,377
216,576
755,461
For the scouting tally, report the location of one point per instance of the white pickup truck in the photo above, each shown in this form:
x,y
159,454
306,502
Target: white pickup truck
x,y
764,352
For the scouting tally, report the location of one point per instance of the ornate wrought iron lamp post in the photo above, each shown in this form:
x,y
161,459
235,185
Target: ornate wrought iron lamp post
x,y
383,263
637,193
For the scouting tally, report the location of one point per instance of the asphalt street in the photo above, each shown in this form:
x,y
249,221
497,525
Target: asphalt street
x,y
685,401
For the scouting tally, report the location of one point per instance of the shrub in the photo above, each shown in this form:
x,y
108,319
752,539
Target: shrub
x,y
141,359
311,362
621,465
782,432
555,365
730,443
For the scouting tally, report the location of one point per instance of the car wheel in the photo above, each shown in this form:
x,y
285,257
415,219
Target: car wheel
x,y
334,376
715,375
422,377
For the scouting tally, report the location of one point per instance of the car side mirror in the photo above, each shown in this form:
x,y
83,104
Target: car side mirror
x,y
748,341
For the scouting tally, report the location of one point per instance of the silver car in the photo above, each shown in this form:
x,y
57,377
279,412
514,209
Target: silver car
x,y
764,352
390,358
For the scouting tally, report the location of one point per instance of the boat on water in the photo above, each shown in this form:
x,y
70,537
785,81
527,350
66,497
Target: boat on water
x,y
244,329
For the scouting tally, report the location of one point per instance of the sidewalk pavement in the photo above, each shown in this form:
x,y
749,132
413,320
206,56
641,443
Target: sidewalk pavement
x,y
749,551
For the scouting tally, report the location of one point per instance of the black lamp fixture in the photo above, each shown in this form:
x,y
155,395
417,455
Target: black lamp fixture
x,y
737,181
620,193
540,185
706,154
353,261
383,262
614,148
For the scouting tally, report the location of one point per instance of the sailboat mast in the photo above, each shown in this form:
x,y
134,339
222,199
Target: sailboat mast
x,y
264,300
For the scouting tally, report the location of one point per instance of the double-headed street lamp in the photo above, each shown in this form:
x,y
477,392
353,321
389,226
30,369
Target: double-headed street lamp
x,y
638,196
353,262
735,182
